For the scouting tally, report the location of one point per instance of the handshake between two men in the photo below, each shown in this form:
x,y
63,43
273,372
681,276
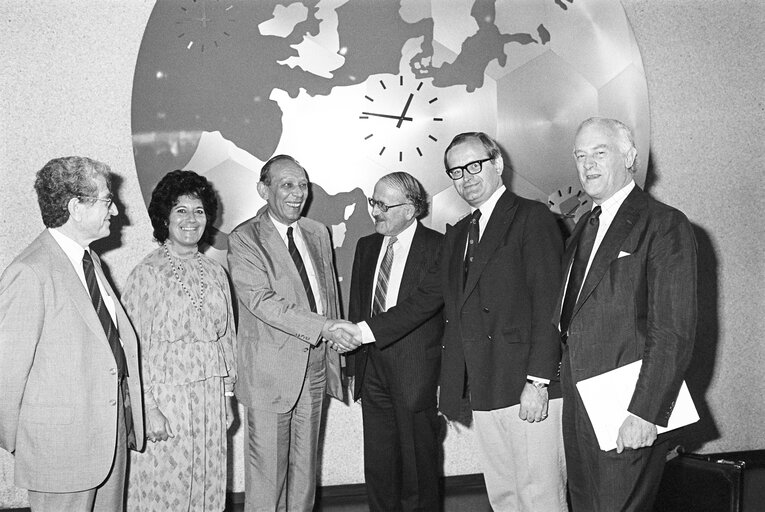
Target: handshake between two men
x,y
342,335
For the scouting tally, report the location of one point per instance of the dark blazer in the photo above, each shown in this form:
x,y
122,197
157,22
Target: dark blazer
x,y
638,301
415,360
497,326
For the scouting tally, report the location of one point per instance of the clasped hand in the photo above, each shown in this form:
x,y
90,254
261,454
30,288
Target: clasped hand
x,y
342,335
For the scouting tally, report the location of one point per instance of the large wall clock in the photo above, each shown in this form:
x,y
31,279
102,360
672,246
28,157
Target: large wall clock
x,y
204,24
405,119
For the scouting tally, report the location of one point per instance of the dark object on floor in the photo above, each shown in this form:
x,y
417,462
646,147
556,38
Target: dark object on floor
x,y
715,482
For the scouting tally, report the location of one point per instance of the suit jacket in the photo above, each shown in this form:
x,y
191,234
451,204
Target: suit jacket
x,y
276,325
58,376
413,361
638,301
497,326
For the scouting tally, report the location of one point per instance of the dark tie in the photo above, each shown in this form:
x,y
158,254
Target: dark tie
x,y
378,303
578,268
103,315
472,243
300,268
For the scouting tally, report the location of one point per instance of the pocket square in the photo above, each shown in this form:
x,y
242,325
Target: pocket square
x,y
622,254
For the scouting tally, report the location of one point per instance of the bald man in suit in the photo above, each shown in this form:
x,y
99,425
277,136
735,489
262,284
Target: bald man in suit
x,y
282,268
71,399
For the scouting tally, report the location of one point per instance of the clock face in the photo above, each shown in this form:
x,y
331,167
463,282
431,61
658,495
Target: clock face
x,y
402,120
204,25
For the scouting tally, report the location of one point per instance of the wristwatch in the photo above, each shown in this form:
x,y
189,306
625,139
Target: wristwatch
x,y
539,385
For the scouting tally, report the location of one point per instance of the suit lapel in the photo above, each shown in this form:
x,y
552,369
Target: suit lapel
x,y
620,228
499,222
280,254
412,267
313,245
368,264
61,270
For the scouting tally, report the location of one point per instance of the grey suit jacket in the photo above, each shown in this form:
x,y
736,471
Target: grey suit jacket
x,y
276,325
58,404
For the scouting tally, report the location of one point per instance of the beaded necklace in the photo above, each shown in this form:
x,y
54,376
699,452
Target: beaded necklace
x,y
197,306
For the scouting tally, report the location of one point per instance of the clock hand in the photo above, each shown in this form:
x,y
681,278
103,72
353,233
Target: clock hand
x,y
401,118
388,116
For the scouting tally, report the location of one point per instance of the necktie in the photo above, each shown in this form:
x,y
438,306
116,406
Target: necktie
x,y
300,268
473,236
578,268
103,315
381,289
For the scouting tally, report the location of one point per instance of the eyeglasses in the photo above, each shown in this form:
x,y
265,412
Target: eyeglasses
x,y
382,206
109,200
456,173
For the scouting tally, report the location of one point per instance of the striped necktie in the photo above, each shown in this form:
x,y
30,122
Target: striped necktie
x,y
378,303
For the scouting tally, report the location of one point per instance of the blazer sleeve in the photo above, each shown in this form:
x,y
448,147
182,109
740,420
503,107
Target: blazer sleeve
x,y
671,318
252,274
416,309
542,250
22,316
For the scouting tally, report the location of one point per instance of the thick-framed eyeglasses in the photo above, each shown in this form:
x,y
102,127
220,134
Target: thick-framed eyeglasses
x,y
109,200
382,206
458,172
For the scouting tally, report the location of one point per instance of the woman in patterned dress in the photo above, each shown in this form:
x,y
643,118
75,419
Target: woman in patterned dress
x,y
180,305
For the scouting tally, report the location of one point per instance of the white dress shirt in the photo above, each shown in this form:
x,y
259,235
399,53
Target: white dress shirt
x,y
400,254
297,234
74,251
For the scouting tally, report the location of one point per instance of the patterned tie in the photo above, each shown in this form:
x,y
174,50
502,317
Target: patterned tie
x,y
381,289
301,269
103,315
578,268
473,236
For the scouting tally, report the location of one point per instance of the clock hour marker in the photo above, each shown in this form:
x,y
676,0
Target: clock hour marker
x,y
400,156
419,86
368,136
181,35
191,43
433,100
363,117
419,152
381,151
369,98
432,138
438,119
401,80
382,84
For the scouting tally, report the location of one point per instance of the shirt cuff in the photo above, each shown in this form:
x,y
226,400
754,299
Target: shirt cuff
x,y
538,379
367,336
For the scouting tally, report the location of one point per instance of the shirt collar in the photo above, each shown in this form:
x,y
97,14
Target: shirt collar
x,y
281,228
404,239
488,207
72,249
610,206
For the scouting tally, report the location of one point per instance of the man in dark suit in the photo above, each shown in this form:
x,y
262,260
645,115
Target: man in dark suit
x,y
630,294
282,268
397,386
70,390
496,280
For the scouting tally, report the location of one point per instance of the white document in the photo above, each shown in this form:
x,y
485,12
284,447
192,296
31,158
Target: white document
x,y
607,396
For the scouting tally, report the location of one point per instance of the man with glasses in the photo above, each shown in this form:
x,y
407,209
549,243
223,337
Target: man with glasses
x,y
71,391
397,386
496,279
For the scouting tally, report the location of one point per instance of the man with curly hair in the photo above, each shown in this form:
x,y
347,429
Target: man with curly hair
x,y
71,391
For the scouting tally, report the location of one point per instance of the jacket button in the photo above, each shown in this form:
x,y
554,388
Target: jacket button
x,y
443,347
489,337
485,310
306,349
447,320
113,371
112,402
